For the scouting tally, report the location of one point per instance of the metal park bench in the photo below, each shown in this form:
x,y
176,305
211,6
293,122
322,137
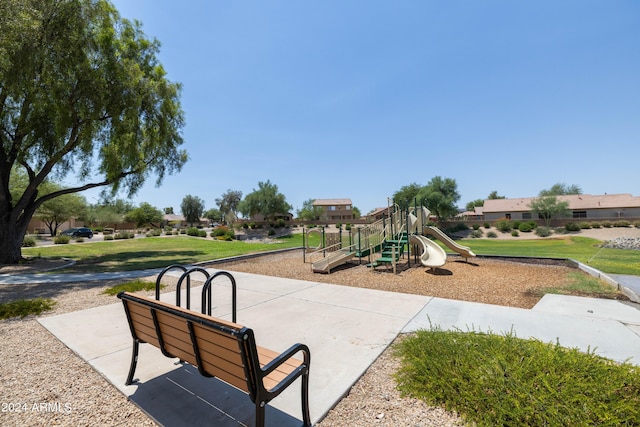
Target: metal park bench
x,y
217,348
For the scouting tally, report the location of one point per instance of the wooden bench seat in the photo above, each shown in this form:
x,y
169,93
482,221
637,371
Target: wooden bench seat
x,y
218,348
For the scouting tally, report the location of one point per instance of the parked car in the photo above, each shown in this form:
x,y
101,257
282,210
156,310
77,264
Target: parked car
x,y
78,232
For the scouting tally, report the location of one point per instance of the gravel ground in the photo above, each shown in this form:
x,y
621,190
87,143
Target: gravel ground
x,y
43,383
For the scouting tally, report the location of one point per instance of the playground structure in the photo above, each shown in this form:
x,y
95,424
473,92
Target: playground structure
x,y
391,237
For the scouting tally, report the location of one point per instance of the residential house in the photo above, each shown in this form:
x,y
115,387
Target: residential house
x,y
335,210
581,206
378,213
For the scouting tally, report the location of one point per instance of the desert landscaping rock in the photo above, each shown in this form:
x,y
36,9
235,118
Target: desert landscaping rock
x,y
631,243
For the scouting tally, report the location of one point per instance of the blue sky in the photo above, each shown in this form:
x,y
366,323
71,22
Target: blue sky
x,y
355,99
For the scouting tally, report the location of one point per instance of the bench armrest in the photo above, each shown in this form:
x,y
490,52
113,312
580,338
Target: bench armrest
x,y
286,355
303,369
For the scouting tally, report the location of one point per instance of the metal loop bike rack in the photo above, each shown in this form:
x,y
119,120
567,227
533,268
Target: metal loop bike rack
x,y
207,294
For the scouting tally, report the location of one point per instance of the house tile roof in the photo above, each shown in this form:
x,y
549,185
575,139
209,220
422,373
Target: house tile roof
x,y
378,211
576,202
331,202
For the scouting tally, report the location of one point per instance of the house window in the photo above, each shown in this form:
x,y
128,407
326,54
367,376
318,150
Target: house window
x,y
526,215
332,208
579,214
507,216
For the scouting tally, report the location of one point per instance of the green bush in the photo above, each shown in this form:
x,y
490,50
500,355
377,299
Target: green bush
x,y
487,225
271,232
154,233
621,223
503,225
223,233
192,231
543,231
502,380
121,235
584,225
636,224
476,234
595,224
24,307
61,239
525,227
515,233
533,224
108,237
28,241
133,286
476,226
219,231
245,225
515,225
459,226
607,224
571,227
492,234
347,227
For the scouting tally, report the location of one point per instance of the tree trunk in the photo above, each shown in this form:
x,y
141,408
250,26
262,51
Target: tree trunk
x,y
11,238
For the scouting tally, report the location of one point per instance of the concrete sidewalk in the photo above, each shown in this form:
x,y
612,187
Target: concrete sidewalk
x,y
345,328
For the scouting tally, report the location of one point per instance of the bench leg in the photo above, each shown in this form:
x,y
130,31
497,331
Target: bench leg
x,y
134,362
260,409
306,417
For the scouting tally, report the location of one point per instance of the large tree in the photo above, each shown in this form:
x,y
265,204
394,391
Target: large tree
x,y
228,204
145,214
309,211
440,196
548,207
266,200
407,194
192,208
561,189
81,93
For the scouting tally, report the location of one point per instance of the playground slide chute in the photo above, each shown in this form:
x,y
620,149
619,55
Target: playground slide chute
x,y
332,260
465,251
432,254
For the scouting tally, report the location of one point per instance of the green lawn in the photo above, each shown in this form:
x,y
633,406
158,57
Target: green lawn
x,y
583,249
153,252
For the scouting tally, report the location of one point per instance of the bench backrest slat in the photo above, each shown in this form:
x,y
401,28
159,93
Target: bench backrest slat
x,y
218,358
219,343
143,324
